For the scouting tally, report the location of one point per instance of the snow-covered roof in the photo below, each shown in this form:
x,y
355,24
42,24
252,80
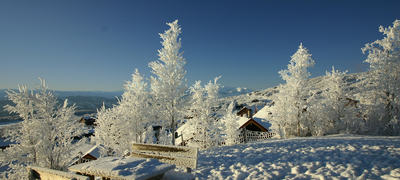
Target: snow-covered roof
x,y
88,149
123,167
242,120
266,124
84,150
262,113
186,130
94,151
262,117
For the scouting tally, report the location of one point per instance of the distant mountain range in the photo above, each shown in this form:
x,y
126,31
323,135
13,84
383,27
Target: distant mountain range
x,y
232,91
62,94
88,102
224,92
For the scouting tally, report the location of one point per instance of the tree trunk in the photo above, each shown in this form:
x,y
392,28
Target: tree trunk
x,y
173,130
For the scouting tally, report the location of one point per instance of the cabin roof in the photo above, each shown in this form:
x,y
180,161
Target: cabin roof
x,y
243,120
252,121
84,150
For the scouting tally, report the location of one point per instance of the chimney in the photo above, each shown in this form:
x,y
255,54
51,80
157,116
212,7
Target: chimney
x,y
249,113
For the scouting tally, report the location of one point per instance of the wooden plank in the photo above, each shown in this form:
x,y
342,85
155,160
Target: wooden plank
x,y
51,174
178,150
178,155
179,161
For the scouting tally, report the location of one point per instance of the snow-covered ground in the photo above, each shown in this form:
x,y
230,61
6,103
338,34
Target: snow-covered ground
x,y
330,157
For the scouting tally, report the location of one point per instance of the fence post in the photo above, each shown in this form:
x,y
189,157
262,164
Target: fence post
x,y
244,135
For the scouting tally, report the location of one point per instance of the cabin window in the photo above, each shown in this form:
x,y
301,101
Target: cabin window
x,y
176,135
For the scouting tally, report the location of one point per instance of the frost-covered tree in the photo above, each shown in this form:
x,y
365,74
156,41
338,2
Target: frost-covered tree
x,y
204,120
231,124
46,134
107,133
290,102
334,98
126,122
168,86
317,121
384,60
331,110
341,113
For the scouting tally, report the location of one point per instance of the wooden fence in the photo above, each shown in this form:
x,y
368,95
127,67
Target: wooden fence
x,y
244,137
251,136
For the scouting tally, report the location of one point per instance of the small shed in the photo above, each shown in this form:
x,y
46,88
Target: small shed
x,y
85,153
184,133
88,121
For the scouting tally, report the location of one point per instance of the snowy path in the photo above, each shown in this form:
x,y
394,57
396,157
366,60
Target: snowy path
x,y
332,157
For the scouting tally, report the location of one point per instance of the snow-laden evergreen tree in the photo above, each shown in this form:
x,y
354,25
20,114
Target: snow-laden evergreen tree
x,y
204,118
231,124
384,60
46,135
290,102
126,122
168,85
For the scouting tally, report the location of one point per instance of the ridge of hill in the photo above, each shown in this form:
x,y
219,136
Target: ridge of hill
x,y
262,98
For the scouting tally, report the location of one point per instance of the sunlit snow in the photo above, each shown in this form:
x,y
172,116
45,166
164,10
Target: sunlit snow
x,y
339,156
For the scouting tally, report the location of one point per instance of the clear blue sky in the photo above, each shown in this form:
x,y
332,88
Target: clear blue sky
x,y
96,45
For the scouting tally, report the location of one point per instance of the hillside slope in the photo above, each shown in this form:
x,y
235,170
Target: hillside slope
x,y
263,98
339,156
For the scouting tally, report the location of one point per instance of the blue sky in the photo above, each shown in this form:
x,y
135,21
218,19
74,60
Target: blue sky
x,y
96,45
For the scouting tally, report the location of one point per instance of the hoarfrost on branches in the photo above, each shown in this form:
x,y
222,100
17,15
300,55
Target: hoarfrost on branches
x,y
168,83
230,121
46,134
342,114
126,122
204,121
288,117
384,60
331,111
